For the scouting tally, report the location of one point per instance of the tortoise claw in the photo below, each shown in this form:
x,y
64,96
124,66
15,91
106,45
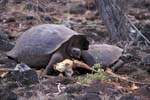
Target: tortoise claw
x,y
117,66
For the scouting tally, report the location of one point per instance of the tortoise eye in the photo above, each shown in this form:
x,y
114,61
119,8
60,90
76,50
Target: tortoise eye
x,y
73,51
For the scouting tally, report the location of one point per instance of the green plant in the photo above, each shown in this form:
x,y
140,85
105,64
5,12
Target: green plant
x,y
97,66
91,77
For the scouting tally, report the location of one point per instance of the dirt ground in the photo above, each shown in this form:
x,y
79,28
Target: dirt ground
x,y
16,16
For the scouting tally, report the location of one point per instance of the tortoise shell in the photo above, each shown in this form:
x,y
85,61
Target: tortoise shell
x,y
105,54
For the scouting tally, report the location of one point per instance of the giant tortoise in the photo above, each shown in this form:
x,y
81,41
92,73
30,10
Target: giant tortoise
x,y
47,44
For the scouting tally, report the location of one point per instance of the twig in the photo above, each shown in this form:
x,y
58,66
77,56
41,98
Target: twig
x,y
137,29
130,22
41,73
125,78
6,70
80,64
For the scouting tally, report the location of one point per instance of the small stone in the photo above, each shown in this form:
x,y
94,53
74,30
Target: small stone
x,y
30,18
89,15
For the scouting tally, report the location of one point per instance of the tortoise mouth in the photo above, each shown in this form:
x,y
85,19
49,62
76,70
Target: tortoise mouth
x,y
13,59
10,57
75,52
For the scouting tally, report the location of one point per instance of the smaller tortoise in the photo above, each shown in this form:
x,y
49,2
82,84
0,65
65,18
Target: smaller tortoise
x,y
45,45
104,54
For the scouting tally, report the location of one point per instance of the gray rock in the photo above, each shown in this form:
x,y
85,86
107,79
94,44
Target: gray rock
x,y
23,75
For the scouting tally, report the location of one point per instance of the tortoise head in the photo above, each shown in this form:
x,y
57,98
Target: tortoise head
x,y
76,45
75,52
11,55
81,41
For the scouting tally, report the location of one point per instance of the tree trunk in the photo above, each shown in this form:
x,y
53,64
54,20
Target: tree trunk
x,y
113,18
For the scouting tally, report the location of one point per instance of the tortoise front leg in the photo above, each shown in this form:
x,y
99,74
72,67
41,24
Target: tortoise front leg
x,y
87,58
56,57
117,65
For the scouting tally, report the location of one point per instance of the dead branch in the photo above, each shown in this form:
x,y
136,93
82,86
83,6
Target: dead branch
x,y
126,79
